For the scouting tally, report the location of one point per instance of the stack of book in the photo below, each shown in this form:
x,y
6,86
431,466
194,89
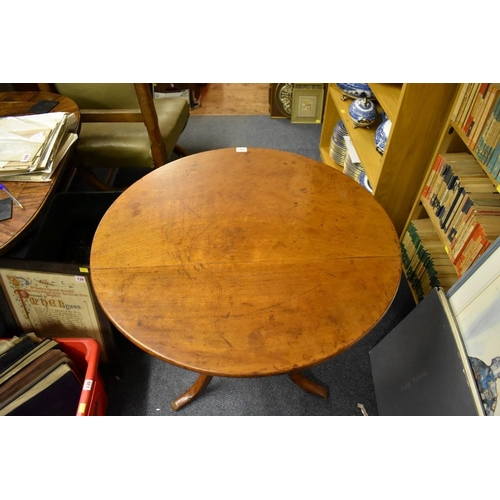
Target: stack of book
x,y
32,146
477,115
425,262
37,378
466,205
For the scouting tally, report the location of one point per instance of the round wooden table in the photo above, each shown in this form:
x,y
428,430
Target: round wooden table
x,y
245,264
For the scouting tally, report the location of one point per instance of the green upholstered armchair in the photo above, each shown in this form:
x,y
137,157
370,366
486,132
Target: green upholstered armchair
x,y
122,126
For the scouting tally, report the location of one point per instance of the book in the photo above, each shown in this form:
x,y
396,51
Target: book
x,y
454,207
489,136
463,105
463,232
469,103
450,224
438,162
421,367
17,351
483,230
469,250
31,374
494,163
495,138
434,187
455,229
449,197
429,265
440,187
57,394
491,98
476,106
37,351
459,101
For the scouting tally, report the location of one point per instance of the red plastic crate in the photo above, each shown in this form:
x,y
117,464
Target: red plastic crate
x,y
84,352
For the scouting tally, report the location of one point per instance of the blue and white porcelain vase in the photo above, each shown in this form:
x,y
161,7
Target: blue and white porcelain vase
x,y
363,112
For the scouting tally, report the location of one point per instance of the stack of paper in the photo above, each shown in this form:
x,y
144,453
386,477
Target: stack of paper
x,y
31,146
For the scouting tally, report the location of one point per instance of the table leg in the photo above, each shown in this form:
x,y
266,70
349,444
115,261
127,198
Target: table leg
x,y
201,382
308,385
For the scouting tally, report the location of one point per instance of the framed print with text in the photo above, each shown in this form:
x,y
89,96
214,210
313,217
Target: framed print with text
x,y
52,300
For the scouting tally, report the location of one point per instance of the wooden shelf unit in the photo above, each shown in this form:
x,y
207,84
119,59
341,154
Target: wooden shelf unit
x,y
451,140
418,112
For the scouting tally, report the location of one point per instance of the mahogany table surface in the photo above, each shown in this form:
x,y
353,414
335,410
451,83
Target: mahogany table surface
x,y
32,195
245,264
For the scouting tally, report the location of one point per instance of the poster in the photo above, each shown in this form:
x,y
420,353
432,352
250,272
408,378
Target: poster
x,y
52,304
475,302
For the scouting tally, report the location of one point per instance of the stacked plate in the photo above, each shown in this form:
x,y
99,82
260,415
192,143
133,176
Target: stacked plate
x,y
363,180
356,171
338,148
351,168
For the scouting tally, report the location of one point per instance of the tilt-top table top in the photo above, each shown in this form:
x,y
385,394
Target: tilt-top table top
x,y
244,264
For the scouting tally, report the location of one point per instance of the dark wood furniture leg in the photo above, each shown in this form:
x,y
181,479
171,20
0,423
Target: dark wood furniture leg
x,y
201,383
308,385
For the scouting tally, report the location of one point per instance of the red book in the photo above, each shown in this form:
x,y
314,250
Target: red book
x,y
435,178
476,246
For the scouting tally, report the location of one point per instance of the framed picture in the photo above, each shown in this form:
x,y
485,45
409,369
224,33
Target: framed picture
x,y
307,103
52,300
280,100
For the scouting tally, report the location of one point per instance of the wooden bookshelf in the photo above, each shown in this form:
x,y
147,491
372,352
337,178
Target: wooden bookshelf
x,y
452,139
418,113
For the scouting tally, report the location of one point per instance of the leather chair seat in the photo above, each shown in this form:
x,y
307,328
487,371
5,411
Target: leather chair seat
x,y
127,144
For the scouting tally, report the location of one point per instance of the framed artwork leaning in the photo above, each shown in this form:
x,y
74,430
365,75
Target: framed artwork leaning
x,y
52,300
307,103
280,100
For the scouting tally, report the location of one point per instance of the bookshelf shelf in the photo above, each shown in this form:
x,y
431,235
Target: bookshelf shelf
x,y
388,95
466,232
417,113
463,138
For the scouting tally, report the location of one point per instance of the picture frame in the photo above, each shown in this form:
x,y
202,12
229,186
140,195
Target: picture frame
x,y
280,100
52,300
307,103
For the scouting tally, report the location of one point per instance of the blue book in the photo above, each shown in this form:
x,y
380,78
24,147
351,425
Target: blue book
x,y
494,163
484,147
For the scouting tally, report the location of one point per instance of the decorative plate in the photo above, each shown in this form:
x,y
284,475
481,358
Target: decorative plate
x,y
381,135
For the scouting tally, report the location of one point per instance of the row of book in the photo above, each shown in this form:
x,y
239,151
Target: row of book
x,y
466,206
425,261
32,146
477,114
37,378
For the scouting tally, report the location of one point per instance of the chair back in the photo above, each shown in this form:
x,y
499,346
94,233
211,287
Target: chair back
x,y
101,96
116,102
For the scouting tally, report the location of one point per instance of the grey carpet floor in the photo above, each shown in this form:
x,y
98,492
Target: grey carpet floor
x,y
204,133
